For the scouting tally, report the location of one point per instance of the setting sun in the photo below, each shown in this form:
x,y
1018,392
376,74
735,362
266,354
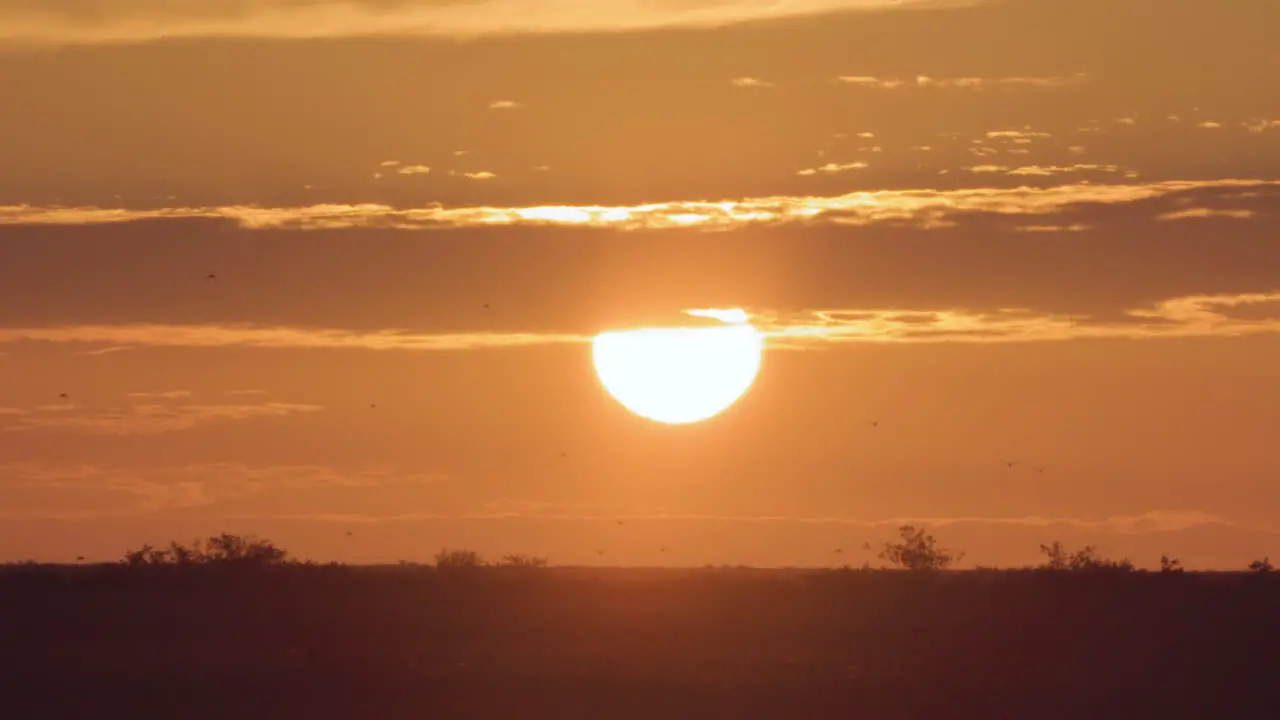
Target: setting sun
x,y
678,375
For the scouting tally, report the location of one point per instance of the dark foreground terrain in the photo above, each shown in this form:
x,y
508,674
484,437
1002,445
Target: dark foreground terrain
x,y
298,642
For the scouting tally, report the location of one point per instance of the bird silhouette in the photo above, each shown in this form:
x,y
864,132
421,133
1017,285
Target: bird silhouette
x,y
79,558
838,551
211,276
64,396
486,306
875,423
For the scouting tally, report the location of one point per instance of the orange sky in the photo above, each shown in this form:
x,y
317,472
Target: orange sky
x,y
1031,230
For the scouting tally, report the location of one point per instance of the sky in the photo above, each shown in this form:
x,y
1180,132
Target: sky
x,y
1033,231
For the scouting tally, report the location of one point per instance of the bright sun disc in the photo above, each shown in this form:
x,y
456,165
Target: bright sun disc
x,y
678,375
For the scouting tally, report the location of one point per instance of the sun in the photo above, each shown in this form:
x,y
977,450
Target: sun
x,y
678,375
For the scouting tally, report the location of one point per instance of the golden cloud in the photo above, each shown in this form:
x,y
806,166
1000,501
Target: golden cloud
x,y
970,83
153,419
277,337
926,207
1196,316
1237,214
150,489
1193,316
131,21
833,168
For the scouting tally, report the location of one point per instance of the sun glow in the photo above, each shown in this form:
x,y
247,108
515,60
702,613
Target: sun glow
x,y
679,375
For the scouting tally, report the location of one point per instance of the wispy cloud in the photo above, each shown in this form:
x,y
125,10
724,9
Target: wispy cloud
x,y
1191,213
1258,125
1195,316
1198,316
505,105
414,170
1024,134
478,175
750,82
1062,169
153,419
258,336
158,488
116,21
926,207
967,83
1153,521
833,168
162,395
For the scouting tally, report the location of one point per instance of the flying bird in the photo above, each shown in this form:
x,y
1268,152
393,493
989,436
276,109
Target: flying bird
x,y
64,396
211,276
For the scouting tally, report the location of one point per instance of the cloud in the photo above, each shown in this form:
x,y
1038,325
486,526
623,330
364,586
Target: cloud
x,y
414,170
1209,125
969,83
833,168
1198,316
1195,316
1060,169
1076,227
1190,213
146,489
479,175
750,82
1153,521
154,419
1025,134
505,105
110,350
1259,125
165,395
389,163
123,21
924,207
276,337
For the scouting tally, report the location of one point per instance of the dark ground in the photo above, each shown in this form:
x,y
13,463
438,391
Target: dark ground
x,y
374,643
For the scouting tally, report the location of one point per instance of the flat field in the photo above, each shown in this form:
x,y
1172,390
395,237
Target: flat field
x,y
105,642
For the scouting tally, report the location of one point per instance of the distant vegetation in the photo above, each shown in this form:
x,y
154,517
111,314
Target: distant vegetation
x,y
223,549
916,550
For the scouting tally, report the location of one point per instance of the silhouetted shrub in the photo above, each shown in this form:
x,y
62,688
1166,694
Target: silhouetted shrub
x,y
223,549
1085,559
918,550
448,559
1261,566
1170,565
527,562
